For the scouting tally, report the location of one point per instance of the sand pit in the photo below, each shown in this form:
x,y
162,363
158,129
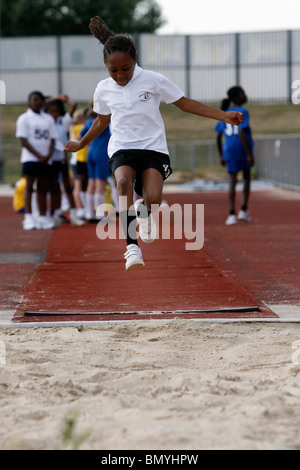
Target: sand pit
x,y
152,385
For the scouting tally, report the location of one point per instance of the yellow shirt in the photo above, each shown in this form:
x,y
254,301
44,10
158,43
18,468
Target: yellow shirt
x,y
74,132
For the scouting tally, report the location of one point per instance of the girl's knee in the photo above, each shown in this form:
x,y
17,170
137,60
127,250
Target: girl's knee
x,y
124,185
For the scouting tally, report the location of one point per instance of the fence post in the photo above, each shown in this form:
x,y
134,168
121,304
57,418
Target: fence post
x,y
289,65
187,66
137,40
59,65
237,59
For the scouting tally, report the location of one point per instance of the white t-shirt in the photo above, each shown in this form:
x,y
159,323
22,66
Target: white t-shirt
x,y
62,125
136,122
39,129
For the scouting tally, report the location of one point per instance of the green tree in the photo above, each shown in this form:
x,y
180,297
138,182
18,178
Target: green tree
x,y
64,17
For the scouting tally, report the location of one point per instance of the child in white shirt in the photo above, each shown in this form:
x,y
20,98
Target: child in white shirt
x,y
37,133
60,167
138,152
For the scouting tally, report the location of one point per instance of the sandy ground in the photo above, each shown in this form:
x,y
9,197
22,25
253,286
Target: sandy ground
x,y
151,385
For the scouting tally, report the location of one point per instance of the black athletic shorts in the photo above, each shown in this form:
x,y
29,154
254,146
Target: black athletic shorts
x,y
141,160
81,169
56,169
36,169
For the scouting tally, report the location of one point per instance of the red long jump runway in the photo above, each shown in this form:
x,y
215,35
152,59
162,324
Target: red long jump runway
x,y
238,270
20,254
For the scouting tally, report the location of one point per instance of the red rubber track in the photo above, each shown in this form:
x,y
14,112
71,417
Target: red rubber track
x,y
239,266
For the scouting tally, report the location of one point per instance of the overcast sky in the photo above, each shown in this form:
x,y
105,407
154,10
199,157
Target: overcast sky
x,y
224,16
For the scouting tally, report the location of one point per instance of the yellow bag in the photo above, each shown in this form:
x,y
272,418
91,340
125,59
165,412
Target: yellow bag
x,y
18,197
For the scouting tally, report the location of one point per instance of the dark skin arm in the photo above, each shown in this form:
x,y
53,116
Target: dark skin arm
x,y
195,107
71,103
185,104
41,158
244,140
99,125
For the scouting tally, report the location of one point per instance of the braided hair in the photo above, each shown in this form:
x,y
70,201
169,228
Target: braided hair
x,y
112,42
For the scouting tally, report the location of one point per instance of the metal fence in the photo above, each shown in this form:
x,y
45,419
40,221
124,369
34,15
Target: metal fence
x,y
276,158
190,155
204,66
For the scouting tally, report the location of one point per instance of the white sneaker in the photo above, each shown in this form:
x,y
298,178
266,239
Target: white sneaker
x,y
89,216
44,223
75,220
147,225
80,213
133,257
28,222
231,220
244,215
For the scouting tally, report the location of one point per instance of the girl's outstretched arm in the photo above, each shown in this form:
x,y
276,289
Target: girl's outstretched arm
x,y
195,107
98,126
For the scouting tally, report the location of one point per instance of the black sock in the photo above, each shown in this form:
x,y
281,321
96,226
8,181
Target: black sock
x,y
142,211
244,207
128,221
232,212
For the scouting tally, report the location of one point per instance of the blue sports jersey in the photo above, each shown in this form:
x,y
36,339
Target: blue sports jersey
x,y
99,143
233,151
97,157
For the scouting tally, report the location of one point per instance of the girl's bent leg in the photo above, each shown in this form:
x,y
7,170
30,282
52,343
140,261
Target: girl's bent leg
x,y
125,177
152,182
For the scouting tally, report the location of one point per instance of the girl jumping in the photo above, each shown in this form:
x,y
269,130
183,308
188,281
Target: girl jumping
x,y
129,100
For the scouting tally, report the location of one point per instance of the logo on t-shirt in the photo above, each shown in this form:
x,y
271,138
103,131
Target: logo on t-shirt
x,y
146,96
